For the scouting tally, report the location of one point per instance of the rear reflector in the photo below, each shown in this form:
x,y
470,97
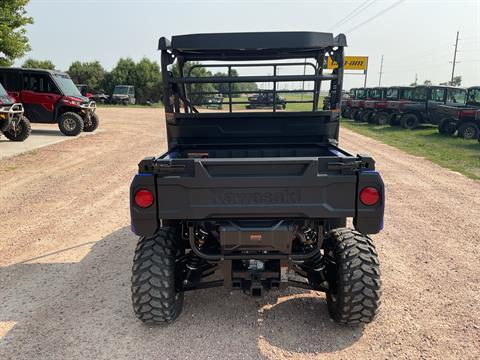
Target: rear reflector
x,y
369,196
143,198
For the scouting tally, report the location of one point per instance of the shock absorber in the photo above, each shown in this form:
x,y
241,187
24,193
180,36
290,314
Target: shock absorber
x,y
195,264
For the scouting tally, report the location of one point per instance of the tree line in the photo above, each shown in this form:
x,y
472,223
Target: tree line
x,y
145,75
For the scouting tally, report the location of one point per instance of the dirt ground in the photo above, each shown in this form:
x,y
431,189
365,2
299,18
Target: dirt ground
x,y
66,252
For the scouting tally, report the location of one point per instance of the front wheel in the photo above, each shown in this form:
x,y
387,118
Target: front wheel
x,y
357,115
381,118
468,130
409,121
92,124
154,294
447,127
354,277
19,131
70,124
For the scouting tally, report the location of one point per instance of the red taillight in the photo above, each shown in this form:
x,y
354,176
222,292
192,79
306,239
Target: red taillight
x,y
369,196
143,198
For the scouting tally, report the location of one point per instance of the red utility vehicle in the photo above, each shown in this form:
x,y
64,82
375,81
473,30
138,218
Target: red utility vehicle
x,y
50,97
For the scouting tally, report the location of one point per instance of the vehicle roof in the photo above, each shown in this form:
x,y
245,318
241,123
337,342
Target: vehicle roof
x,y
40,71
253,40
251,45
123,85
473,87
440,86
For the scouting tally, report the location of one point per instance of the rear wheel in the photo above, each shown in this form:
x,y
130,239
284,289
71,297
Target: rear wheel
x,y
367,116
346,113
354,277
381,118
70,124
154,295
20,131
409,121
468,130
447,127
92,124
357,115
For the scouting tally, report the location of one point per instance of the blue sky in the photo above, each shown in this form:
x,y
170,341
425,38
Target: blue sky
x,y
414,37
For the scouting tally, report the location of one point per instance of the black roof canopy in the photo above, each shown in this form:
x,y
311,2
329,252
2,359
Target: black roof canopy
x,y
251,45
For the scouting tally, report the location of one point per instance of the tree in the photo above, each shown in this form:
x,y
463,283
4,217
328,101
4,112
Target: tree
x,y
457,81
38,64
427,82
88,73
148,80
202,87
122,74
236,87
13,42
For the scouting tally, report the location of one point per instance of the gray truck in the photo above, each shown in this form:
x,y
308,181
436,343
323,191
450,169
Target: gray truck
x,y
123,94
255,200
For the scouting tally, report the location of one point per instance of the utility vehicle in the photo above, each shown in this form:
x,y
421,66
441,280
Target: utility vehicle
x,y
358,104
397,96
377,102
425,104
13,124
465,119
265,99
255,200
215,102
50,97
97,96
347,104
124,94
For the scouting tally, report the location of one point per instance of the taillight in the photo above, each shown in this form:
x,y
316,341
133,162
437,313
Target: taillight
x,y
143,198
369,196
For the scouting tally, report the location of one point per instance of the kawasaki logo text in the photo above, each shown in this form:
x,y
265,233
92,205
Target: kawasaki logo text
x,y
238,197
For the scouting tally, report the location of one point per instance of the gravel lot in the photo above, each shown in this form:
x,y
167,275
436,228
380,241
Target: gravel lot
x,y
67,248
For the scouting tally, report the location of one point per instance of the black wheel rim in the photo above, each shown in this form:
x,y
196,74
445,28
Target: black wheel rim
x,y
469,133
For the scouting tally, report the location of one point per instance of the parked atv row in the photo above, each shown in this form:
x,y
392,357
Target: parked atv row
x,y
452,109
44,96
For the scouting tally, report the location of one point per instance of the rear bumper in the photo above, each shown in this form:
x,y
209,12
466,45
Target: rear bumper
x,y
280,189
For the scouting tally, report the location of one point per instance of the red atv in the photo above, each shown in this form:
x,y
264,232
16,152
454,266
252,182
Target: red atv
x,y
50,97
13,124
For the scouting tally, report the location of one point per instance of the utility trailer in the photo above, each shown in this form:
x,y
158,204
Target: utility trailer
x,y
254,200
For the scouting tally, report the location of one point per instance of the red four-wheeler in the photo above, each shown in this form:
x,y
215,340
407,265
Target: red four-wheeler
x,y
50,97
358,103
377,102
464,119
426,102
13,124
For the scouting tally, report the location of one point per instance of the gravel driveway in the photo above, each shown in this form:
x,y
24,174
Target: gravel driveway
x,y
66,251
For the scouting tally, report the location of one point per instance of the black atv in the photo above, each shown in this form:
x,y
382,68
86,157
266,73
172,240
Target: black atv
x,y
13,124
255,200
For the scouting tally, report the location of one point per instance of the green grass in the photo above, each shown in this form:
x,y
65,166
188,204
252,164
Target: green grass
x,y
453,153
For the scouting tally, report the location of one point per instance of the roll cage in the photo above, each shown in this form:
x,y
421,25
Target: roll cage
x,y
238,50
